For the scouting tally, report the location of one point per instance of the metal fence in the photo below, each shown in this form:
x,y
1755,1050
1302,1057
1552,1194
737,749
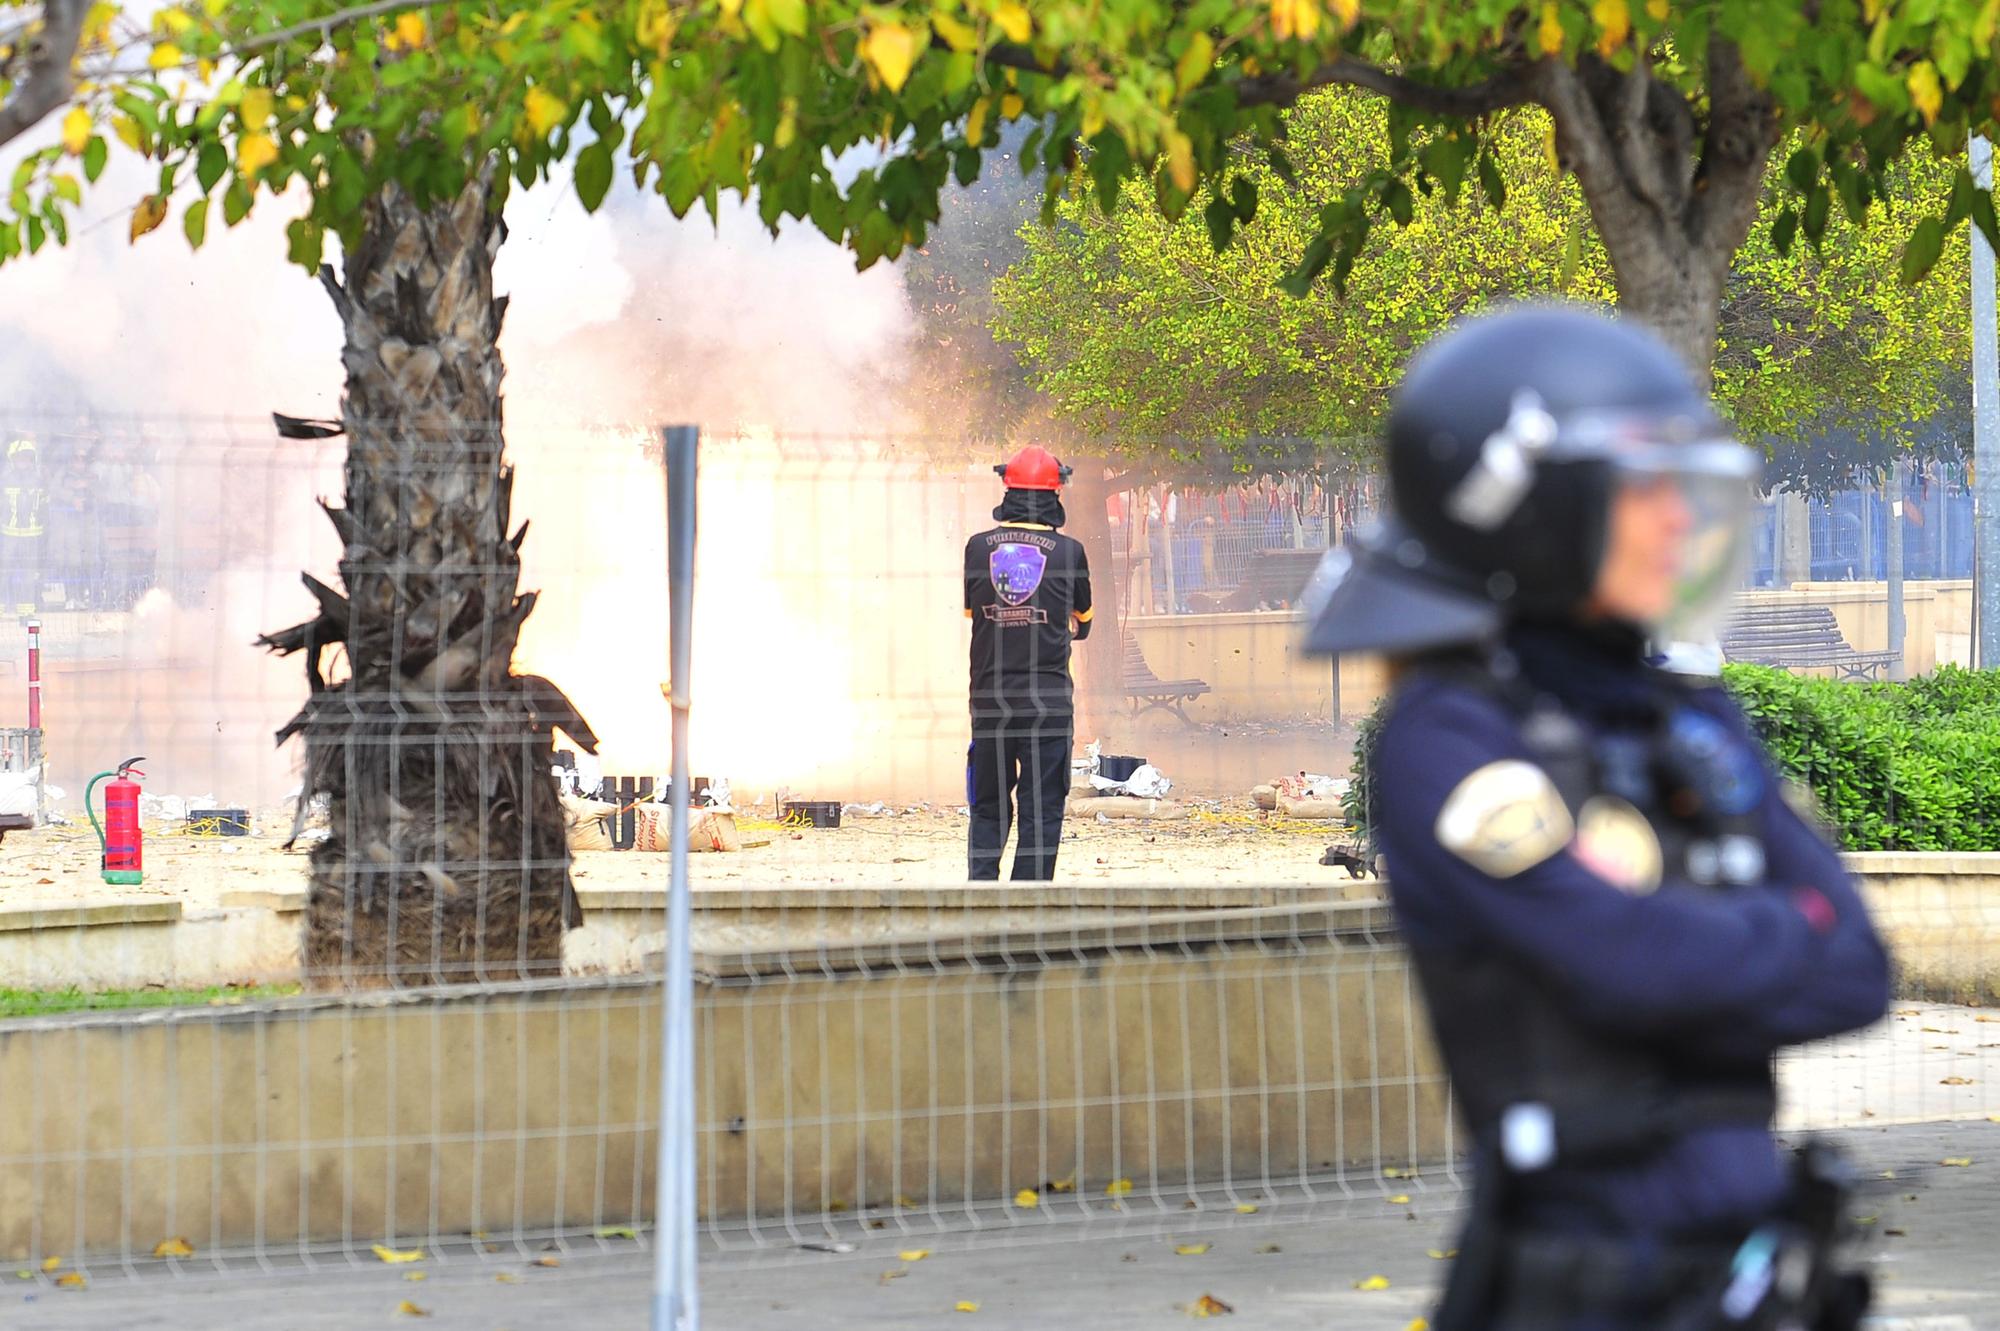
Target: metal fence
x,y
405,1005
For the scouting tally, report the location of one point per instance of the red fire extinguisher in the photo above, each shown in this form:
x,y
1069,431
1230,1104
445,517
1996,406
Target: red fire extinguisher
x,y
118,834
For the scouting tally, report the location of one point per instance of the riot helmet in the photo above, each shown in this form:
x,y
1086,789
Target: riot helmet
x,y
1506,443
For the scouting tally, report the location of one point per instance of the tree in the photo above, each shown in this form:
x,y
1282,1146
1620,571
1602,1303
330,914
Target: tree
x,y
1137,327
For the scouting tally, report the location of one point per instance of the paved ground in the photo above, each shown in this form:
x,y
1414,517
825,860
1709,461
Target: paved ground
x,y
1288,1266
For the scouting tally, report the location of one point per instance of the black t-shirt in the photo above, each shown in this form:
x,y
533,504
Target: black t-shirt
x,y
1027,592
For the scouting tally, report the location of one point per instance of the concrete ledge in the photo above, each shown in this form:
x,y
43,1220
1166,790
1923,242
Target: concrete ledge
x,y
31,915
1270,1050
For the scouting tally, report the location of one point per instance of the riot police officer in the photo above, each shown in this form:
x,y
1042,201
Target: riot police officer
x,y
1615,918
1027,593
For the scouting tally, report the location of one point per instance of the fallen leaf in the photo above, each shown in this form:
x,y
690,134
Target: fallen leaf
x,y
508,1278
24,1275
1027,1199
1400,1199
1063,1185
548,1261
1420,1324
172,1248
1908,1012
1190,1205
836,1205
1246,1208
965,1306
416,1275
1986,1019
896,1274
913,1255
1372,1284
1957,1162
73,1280
1392,1173
51,1263
1192,1249
1268,1249
1119,1188
1897,1233
1888,1173
906,1204
392,1256
1209,1306
1936,1030
1866,1219
1443,1254
408,1309
618,1232
1956,1081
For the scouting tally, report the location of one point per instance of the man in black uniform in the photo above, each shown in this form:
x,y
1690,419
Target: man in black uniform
x,y
1616,918
1027,593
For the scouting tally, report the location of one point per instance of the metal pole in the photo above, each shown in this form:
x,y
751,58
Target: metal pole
x,y
675,1305
34,674
1898,630
1985,427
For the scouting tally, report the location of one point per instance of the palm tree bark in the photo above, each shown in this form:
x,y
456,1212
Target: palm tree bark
x,y
447,859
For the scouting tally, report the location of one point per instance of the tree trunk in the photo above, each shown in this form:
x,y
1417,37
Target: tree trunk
x,y
447,859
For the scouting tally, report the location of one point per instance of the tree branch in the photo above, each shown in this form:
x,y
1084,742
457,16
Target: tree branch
x,y
48,82
1735,147
1509,87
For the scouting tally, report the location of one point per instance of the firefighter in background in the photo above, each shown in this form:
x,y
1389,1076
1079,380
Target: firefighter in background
x,y
1027,593
23,505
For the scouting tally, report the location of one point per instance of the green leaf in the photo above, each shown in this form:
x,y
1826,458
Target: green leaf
x,y
1923,249
1572,252
1243,198
1983,217
1818,204
1282,166
94,154
1802,169
36,233
965,166
1962,191
195,223
1299,281
788,16
1221,219
66,188
593,175
1401,206
307,241
1784,231
1490,181
235,202
211,164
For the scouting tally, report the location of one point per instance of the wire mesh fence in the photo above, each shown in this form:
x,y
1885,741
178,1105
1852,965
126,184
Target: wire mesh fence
x,y
391,987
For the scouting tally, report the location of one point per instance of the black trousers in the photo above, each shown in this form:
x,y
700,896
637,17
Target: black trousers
x,y
1036,766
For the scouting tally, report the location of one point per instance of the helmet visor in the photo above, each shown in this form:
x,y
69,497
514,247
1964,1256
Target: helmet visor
x,y
1678,544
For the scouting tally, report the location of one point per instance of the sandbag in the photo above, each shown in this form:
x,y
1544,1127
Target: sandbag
x,y
587,825
1332,810
1124,806
1264,797
708,830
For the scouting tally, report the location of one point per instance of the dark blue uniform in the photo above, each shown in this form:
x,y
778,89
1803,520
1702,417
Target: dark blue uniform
x,y
1702,982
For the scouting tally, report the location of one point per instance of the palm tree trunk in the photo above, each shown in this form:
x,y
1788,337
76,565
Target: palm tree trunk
x,y
447,859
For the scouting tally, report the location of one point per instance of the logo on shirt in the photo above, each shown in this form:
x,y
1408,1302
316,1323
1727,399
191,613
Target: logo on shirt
x,y
1016,571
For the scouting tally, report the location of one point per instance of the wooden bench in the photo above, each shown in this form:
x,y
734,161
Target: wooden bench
x,y
1147,691
15,822
1798,637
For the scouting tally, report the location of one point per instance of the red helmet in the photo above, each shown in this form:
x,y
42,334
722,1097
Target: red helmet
x,y
1033,469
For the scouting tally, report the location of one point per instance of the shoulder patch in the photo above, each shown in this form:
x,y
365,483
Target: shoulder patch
x,y
1615,842
1504,819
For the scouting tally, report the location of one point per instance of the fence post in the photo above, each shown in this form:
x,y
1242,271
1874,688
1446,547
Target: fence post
x,y
675,1305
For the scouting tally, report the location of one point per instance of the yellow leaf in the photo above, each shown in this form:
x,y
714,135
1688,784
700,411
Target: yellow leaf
x,y
890,49
1372,1284
1209,1306
965,1306
1419,1324
165,56
392,1256
1192,1249
204,69
408,1309
1011,106
1657,10
74,1280
1195,62
1442,1255
1014,21
1180,161
1866,1219
958,36
128,132
152,211
1119,1188
410,28
1551,30
254,152
1400,1199
1956,1081
906,1203
1392,1172
1063,1185
52,1263
255,108
1615,22
545,109
76,131
1027,1198
416,1275
975,122
913,1255
508,1278
1349,12
173,1248
1246,1208
1925,91
1953,1162
548,1261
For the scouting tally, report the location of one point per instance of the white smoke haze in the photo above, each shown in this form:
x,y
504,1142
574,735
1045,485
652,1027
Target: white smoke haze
x,y
829,657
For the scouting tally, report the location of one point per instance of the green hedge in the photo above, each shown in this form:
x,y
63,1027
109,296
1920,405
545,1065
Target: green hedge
x,y
1912,766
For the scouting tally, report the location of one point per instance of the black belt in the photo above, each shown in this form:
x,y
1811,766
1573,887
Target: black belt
x,y
1550,1279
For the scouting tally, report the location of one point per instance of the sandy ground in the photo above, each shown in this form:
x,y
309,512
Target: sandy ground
x,y
1222,843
